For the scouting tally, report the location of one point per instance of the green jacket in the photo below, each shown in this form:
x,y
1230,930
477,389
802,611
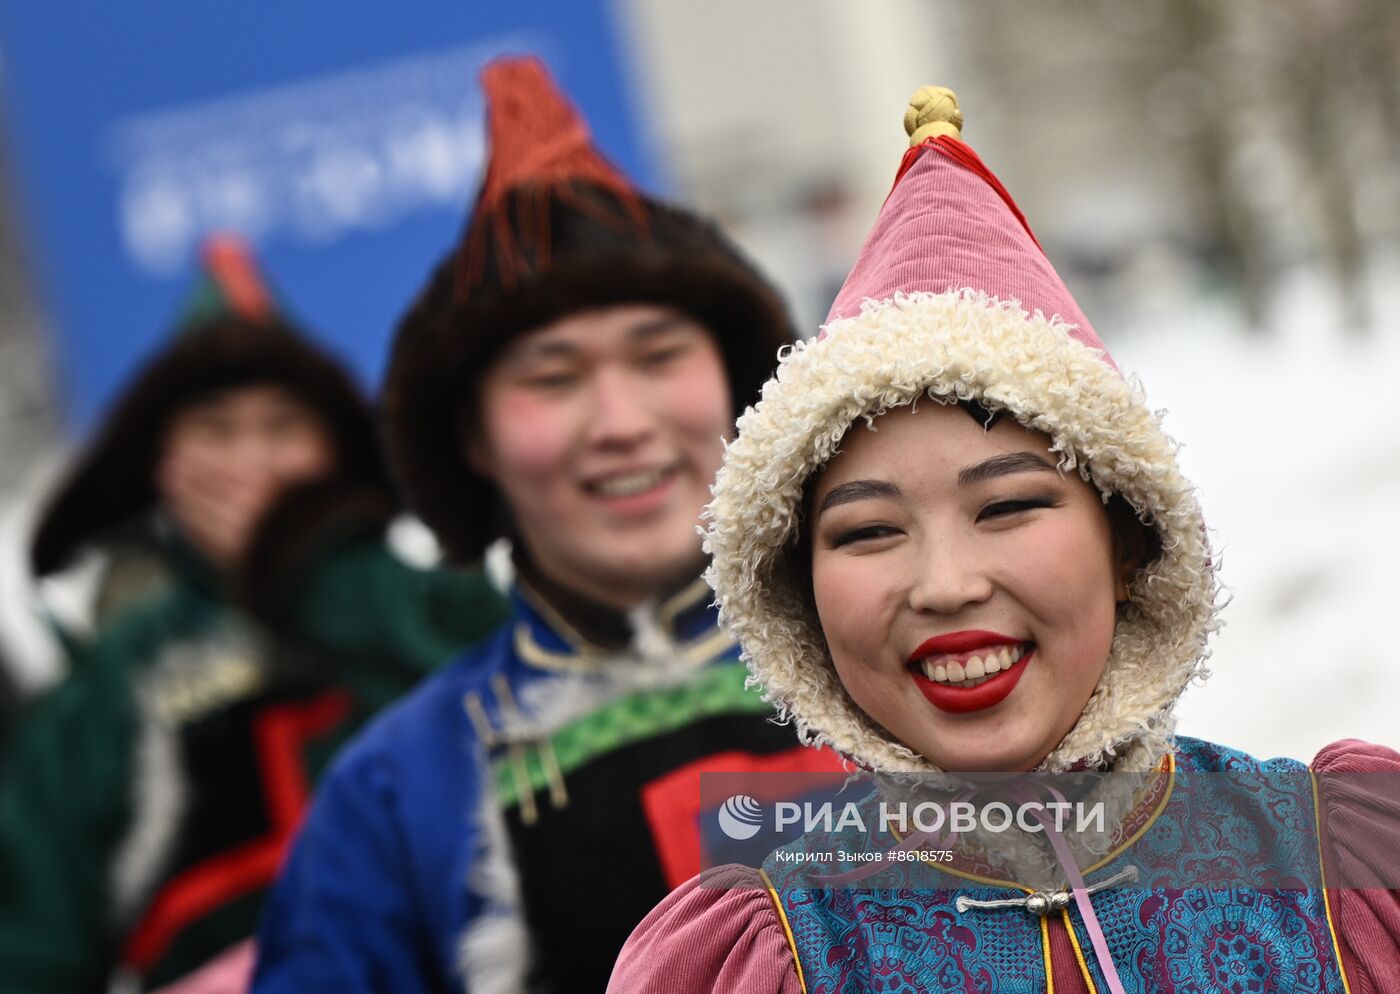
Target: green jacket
x,y
146,802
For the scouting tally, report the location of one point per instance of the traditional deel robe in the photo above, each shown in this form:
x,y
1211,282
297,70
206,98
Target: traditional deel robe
x,y
148,800
1237,940
506,826
747,931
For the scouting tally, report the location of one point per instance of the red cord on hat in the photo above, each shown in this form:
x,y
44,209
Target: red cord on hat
x,y
540,147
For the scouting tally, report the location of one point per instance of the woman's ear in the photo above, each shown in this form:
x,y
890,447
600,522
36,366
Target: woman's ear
x,y
1132,544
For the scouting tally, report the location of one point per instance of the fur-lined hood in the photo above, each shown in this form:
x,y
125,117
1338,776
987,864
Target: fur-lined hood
x,y
901,331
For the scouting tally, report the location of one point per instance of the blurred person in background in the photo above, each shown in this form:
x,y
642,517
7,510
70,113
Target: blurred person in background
x,y
147,800
565,380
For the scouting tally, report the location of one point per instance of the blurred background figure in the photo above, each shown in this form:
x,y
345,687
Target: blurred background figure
x,y
1224,198
235,412
248,619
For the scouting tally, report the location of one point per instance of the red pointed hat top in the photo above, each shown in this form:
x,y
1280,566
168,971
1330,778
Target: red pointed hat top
x,y
949,224
539,146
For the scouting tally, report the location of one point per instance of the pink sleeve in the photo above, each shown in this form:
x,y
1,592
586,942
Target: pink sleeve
x,y
1358,822
718,932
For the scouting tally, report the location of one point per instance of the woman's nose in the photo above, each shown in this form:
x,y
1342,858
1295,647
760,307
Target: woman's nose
x,y
948,576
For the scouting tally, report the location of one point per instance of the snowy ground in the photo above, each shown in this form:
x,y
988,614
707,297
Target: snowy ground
x,y
1294,444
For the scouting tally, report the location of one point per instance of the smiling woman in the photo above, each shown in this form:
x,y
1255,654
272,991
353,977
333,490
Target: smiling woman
x,y
929,574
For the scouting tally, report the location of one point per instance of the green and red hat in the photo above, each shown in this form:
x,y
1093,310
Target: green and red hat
x,y
232,333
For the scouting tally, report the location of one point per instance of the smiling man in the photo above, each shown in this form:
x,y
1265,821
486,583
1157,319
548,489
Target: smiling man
x,y
566,381
601,432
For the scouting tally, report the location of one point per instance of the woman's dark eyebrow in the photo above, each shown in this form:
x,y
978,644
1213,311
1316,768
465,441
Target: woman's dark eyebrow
x,y
1004,465
858,490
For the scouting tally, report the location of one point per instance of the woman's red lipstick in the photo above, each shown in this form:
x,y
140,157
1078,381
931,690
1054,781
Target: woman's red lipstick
x,y
963,700
967,641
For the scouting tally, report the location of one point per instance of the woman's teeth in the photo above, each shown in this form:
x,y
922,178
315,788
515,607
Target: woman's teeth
x,y
630,484
976,669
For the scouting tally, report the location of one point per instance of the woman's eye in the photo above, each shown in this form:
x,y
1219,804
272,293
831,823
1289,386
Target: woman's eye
x,y
862,534
1002,508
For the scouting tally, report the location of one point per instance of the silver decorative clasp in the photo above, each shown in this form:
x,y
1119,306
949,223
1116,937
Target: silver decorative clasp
x,y
1042,902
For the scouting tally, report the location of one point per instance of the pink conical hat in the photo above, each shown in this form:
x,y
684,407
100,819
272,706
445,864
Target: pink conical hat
x,y
949,224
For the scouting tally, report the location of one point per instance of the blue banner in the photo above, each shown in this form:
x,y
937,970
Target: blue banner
x,y
344,141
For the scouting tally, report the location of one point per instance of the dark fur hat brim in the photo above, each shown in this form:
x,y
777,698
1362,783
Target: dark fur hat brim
x,y
112,482
443,345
